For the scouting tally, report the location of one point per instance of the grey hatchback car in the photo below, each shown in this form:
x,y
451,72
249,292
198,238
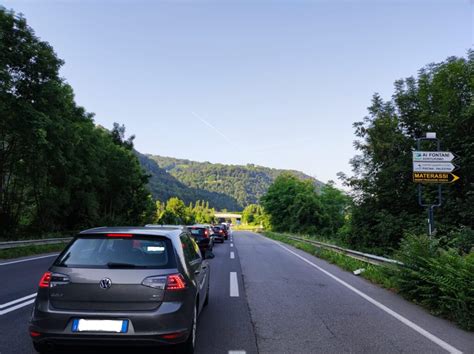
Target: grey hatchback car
x,y
122,285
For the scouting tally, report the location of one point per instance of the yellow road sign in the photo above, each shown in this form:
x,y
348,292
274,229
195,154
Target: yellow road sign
x,y
432,177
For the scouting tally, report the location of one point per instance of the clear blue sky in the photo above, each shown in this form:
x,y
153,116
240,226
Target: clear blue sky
x,y
275,83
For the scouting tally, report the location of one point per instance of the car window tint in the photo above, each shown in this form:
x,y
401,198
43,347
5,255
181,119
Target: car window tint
x,y
100,252
197,232
190,248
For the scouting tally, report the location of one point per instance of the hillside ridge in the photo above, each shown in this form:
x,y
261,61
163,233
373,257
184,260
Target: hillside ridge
x,y
225,186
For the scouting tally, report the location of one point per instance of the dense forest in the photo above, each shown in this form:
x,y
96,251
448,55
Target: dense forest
x,y
439,99
164,186
246,184
58,170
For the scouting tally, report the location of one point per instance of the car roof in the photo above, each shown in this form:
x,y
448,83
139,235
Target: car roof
x,y
169,231
200,225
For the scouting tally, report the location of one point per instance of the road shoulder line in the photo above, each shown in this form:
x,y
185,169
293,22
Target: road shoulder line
x,y
384,308
28,259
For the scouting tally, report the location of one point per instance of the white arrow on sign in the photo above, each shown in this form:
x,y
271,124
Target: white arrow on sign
x,y
433,166
433,156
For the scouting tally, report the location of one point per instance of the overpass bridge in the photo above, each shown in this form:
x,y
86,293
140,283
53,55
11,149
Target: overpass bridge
x,y
228,216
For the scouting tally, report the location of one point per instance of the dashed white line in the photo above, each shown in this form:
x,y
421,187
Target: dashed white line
x,y
234,285
381,306
231,245
237,352
232,255
2,306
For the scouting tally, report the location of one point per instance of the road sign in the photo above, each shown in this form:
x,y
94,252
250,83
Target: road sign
x,y
433,166
433,156
430,177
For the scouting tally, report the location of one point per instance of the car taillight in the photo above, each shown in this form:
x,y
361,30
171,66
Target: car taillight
x,y
45,280
168,282
206,234
158,282
175,282
221,231
58,279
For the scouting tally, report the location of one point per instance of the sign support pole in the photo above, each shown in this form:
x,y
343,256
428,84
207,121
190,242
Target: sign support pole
x,y
430,207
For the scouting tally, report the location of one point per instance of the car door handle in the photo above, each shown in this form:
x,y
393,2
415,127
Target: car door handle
x,y
197,272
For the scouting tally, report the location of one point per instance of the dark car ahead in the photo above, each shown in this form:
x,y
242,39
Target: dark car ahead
x,y
218,234
202,234
224,227
127,285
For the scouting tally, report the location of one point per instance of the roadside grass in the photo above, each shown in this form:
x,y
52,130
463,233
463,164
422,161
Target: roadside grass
x,y
18,252
377,274
253,228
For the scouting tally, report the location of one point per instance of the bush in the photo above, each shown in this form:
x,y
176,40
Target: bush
x,y
463,239
440,279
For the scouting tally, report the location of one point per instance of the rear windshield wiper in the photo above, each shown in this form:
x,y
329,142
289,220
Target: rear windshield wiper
x,y
120,265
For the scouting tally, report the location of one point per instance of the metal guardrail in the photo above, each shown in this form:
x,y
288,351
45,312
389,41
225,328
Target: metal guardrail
x,y
365,257
24,243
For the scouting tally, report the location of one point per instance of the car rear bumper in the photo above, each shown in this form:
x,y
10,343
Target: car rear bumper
x,y
145,327
108,340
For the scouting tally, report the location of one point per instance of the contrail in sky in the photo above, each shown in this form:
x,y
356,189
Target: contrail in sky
x,y
213,127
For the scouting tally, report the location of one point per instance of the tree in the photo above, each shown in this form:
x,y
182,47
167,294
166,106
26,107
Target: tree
x,y
58,171
254,214
439,100
293,205
335,204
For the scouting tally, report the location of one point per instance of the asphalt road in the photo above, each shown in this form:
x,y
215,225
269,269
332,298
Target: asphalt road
x,y
266,297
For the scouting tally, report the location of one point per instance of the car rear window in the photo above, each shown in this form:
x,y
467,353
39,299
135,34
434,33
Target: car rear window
x,y
116,252
197,231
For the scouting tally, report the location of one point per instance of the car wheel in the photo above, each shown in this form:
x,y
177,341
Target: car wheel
x,y
188,346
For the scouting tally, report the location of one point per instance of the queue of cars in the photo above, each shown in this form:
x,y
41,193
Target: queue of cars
x,y
206,235
126,285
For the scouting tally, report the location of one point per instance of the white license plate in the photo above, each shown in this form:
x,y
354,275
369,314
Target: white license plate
x,y
114,326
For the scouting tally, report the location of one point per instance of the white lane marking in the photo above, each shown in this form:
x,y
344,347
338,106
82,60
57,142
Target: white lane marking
x,y
399,317
28,259
234,285
232,255
237,352
203,281
2,306
231,245
10,309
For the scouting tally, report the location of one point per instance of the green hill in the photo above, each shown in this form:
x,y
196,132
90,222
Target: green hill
x,y
242,184
164,186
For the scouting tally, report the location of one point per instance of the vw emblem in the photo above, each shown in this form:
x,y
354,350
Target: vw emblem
x,y
105,283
